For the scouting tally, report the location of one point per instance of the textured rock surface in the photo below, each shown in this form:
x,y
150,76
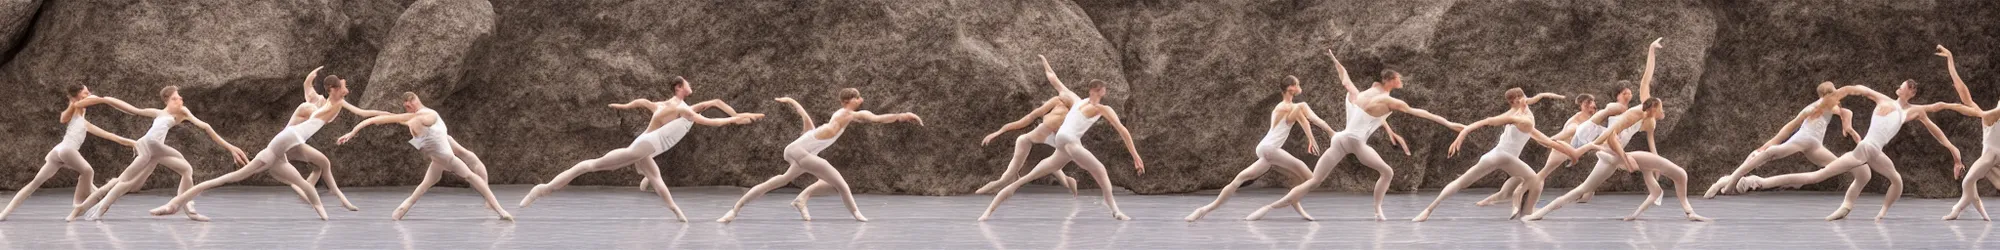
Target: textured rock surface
x,y
524,82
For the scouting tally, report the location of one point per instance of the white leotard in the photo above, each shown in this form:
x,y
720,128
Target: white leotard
x,y
1625,136
1586,133
436,137
1074,125
74,132
1511,141
1881,128
1813,129
814,145
1992,136
306,129
1278,134
1359,124
158,133
666,136
295,135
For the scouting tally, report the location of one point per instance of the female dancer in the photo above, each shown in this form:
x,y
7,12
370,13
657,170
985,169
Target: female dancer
x,y
1889,116
803,153
272,160
1269,153
1591,128
1808,131
1982,168
1052,113
1518,126
1650,164
153,151
1069,148
670,122
1579,130
65,155
1366,110
309,154
428,135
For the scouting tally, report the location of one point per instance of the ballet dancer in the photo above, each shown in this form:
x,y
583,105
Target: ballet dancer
x,y
273,159
1517,127
1649,164
803,154
65,155
1887,119
1808,132
429,136
1069,148
1052,112
1269,152
1989,121
1366,110
670,121
1587,130
309,154
152,152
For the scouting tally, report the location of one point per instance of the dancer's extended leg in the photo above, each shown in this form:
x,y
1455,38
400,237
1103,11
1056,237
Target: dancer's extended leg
x,y
829,178
1753,161
792,172
1882,165
1089,163
1969,187
1487,164
313,156
1337,151
1022,146
54,161
651,170
617,158
1053,163
431,175
1839,166
1606,166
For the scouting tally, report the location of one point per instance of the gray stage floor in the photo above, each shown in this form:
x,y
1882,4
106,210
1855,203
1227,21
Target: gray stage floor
x,y
1040,218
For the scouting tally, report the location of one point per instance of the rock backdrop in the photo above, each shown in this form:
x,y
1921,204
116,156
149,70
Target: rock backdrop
x,y
525,82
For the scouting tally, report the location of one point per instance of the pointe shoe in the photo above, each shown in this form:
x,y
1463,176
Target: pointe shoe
x,y
203,218
350,206
984,217
1697,217
803,213
858,217
1120,216
1198,213
1717,188
1952,216
1749,183
1069,183
398,215
163,210
1839,214
534,193
726,218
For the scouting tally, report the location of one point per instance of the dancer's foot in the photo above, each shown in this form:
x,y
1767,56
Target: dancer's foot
x,y
1749,183
1839,213
535,193
1120,216
992,186
1198,213
803,213
728,217
1718,187
202,218
1068,183
1259,214
859,217
1697,217
398,215
164,210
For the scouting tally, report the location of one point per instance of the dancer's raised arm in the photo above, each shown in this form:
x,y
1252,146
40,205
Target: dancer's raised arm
x,y
1055,82
1646,80
801,110
107,135
1951,65
1922,114
1342,71
1610,142
1112,116
235,152
1047,106
637,103
310,95
716,103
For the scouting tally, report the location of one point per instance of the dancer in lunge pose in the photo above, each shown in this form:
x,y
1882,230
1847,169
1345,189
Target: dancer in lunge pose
x,y
66,155
1983,168
1517,128
273,159
1807,135
1051,112
803,154
1068,140
1269,152
1366,110
1589,129
429,135
153,151
1649,164
671,120
1887,119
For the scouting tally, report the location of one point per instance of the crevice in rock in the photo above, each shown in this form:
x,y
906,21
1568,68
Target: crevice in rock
x,y
21,43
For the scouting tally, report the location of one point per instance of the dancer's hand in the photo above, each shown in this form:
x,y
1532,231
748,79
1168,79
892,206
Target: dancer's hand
x,y
989,138
1139,165
1631,165
746,118
1453,150
343,139
1957,168
1398,141
127,143
912,117
238,154
1312,148
315,73
1656,43
1943,52
1455,127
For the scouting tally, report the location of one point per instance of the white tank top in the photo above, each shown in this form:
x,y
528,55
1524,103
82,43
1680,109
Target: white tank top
x,y
1278,133
433,134
306,129
1511,141
159,130
1992,136
1586,133
1881,128
73,132
1074,124
668,134
1813,128
814,145
1358,121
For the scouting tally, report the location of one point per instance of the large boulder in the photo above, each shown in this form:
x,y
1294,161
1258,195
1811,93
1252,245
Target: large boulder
x,y
15,17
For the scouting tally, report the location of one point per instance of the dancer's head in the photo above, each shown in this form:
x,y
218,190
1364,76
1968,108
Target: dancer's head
x,y
850,98
1655,108
335,86
171,95
1291,88
682,88
1829,95
1390,79
1586,103
1095,88
1516,98
76,92
411,103
1907,90
1624,93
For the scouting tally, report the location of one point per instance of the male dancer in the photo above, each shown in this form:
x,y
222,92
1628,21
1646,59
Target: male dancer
x,y
671,120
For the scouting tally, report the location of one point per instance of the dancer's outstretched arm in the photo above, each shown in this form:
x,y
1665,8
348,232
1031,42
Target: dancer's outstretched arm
x,y
1455,143
801,110
120,105
384,119
1646,80
1652,141
1394,138
1342,71
363,113
1922,114
1400,106
1298,117
1538,97
871,117
241,159
1559,147
1864,91
1847,123
1963,109
697,118
1039,111
716,103
107,135
637,104
1951,65
1116,124
1061,90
